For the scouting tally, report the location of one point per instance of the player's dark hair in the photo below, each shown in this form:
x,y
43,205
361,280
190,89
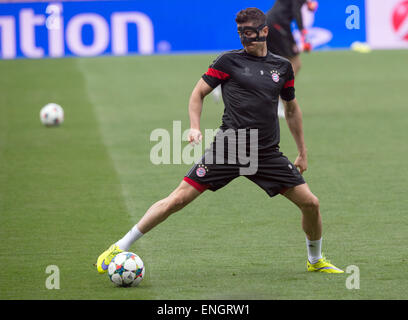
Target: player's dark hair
x,y
254,15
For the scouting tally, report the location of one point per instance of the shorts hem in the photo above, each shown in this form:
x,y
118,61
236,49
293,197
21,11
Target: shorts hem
x,y
285,189
196,185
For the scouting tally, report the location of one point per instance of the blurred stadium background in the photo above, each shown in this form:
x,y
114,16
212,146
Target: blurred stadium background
x,y
121,69
92,28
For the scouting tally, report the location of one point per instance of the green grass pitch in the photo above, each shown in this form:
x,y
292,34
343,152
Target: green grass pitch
x,y
67,193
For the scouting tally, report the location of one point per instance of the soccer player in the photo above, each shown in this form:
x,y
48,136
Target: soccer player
x,y
252,80
280,40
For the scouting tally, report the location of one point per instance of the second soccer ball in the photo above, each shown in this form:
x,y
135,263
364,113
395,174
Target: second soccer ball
x,y
52,114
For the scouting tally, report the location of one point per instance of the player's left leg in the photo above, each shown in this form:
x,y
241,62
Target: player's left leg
x,y
309,205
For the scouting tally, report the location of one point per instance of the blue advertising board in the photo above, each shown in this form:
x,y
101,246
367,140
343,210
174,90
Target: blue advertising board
x,y
92,28
331,18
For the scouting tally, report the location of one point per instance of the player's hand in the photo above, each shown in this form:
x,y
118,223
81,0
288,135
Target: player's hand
x,y
194,136
306,45
301,163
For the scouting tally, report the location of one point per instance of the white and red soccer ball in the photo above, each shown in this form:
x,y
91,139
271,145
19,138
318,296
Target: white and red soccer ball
x,y
52,114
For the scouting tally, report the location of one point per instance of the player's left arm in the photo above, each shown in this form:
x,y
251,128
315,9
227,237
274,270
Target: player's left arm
x,y
293,116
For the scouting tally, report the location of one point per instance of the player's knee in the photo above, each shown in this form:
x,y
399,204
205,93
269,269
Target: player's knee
x,y
311,204
176,202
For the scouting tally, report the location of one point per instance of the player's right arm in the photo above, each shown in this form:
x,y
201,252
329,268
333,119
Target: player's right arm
x,y
195,107
217,74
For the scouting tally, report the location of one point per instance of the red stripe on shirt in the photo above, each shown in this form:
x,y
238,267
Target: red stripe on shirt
x,y
277,26
290,83
217,74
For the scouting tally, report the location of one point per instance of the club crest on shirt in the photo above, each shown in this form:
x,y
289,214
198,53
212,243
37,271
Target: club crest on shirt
x,y
201,171
275,75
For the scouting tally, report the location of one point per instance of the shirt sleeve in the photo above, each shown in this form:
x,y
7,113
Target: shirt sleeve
x,y
288,90
218,72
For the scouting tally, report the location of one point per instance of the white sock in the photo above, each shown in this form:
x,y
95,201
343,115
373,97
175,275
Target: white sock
x,y
314,250
130,237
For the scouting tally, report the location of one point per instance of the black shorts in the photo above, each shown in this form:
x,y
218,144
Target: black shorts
x,y
275,174
280,41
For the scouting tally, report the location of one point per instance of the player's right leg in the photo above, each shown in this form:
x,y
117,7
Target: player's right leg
x,y
161,210
157,213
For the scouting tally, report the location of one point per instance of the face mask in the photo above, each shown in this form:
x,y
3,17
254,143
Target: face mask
x,y
255,30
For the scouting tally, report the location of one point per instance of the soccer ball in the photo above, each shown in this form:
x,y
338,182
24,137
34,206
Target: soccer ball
x,y
52,114
126,269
